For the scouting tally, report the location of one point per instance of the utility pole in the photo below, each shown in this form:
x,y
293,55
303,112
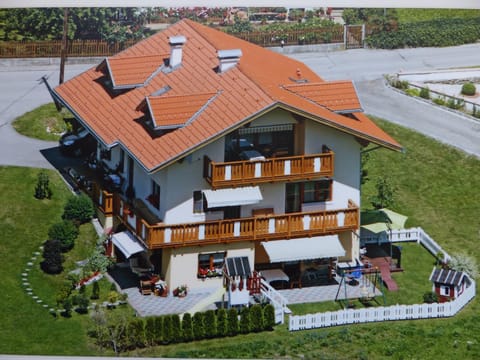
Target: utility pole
x,y
63,51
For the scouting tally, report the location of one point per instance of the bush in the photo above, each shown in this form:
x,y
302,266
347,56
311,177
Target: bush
x,y
65,232
222,322
232,322
269,317
82,303
167,330
176,328
412,92
245,323
468,89
52,257
425,93
43,190
135,333
430,297
95,291
439,101
464,262
187,327
158,336
198,326
455,104
210,321
79,209
150,332
256,318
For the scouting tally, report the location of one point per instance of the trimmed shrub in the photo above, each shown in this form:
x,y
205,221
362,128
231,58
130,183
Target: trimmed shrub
x,y
43,190
256,318
167,330
66,232
425,93
269,316
198,326
135,333
455,104
95,291
439,101
187,327
222,322
210,321
412,92
176,328
150,331
82,303
232,322
245,323
52,257
468,89
158,336
79,209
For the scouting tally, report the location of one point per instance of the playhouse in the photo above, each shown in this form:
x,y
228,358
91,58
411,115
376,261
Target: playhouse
x,y
449,284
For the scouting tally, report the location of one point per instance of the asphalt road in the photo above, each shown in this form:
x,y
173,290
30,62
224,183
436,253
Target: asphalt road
x,y
21,92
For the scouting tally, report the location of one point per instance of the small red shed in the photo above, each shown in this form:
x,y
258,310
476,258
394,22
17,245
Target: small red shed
x,y
449,284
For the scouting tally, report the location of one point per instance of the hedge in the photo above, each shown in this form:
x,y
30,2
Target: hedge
x,y
433,33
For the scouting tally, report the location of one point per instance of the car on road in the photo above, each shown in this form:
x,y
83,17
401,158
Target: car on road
x,y
77,143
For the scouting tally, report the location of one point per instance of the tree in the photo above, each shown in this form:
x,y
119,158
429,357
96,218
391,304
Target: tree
x,y
232,322
109,329
187,327
269,316
167,329
222,322
43,190
176,328
95,291
245,321
158,336
385,194
210,324
66,232
198,326
135,334
79,209
52,257
256,318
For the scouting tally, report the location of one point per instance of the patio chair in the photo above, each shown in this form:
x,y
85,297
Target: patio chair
x,y
145,287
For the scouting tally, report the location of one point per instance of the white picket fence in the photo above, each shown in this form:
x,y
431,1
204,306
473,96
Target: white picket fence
x,y
383,313
394,312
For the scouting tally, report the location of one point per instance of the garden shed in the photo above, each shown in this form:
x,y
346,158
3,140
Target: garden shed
x,y
449,284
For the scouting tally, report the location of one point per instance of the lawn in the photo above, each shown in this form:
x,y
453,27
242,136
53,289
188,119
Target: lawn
x,y
437,187
417,15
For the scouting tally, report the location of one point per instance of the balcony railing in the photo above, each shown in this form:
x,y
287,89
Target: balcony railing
x,y
241,173
103,199
273,227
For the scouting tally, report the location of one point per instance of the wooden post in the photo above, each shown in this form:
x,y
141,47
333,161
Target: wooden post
x,y
63,51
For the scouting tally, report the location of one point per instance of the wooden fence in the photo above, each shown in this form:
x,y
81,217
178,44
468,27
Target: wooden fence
x,y
95,48
388,313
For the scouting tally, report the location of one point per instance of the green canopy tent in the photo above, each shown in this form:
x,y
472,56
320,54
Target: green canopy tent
x,y
381,220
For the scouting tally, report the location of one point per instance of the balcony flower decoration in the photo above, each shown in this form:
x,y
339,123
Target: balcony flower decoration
x,y
180,291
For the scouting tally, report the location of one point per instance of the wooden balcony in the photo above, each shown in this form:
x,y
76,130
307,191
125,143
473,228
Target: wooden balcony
x,y
102,198
273,227
243,173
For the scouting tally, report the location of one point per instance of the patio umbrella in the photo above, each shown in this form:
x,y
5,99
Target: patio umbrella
x,y
380,220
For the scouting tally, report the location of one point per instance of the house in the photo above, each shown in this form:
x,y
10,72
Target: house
x,y
213,148
449,284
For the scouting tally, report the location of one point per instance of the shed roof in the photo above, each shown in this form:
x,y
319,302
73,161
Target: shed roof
x,y
447,276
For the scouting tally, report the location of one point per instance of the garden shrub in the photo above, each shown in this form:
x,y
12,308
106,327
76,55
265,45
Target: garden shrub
x,y
135,334
158,336
187,327
245,323
167,330
412,92
198,326
95,291
256,318
222,322
79,209
425,93
455,104
65,232
269,316
82,303
468,89
43,190
232,322
210,321
176,328
439,101
67,307
430,297
52,257
150,338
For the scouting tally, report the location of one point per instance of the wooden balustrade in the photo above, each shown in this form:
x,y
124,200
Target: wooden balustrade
x,y
241,173
103,199
274,227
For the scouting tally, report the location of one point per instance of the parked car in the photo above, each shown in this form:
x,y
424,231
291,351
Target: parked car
x,y
77,143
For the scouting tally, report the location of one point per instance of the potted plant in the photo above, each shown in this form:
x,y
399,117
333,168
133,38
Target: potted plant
x,y
180,291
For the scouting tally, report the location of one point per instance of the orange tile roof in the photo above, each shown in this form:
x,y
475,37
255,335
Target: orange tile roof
x,y
339,96
256,85
131,71
176,111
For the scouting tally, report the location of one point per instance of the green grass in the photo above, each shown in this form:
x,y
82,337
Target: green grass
x,y
437,187
36,122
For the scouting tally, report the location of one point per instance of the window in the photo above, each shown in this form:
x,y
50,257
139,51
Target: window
x,y
198,202
445,290
317,191
210,265
154,197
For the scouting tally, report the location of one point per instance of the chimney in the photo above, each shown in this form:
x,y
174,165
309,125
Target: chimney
x,y
228,59
176,44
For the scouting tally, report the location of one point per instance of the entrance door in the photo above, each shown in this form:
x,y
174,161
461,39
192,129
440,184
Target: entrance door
x,y
293,201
